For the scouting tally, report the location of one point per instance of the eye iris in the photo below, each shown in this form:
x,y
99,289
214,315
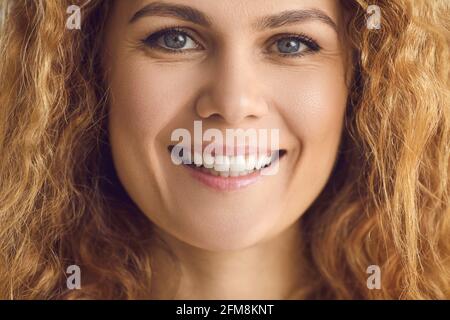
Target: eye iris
x,y
175,40
288,45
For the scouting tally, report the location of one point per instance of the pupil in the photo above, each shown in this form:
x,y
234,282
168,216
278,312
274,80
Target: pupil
x,y
175,40
288,45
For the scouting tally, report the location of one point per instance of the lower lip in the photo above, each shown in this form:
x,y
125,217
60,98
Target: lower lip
x,y
226,183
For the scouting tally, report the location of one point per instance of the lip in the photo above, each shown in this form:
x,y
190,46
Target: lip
x,y
226,184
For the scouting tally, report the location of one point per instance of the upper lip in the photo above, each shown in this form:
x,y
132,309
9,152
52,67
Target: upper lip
x,y
227,150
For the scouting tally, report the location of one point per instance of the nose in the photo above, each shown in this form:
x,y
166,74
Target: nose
x,y
233,93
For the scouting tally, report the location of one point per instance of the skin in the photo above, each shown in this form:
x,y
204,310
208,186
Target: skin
x,y
246,243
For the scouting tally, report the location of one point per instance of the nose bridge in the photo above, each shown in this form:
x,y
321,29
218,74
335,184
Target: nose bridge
x,y
233,92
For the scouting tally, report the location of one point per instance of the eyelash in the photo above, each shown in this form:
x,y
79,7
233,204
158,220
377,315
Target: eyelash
x,y
151,42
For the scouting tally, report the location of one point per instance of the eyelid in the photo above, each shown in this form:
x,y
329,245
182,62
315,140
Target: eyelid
x,y
308,41
312,45
184,30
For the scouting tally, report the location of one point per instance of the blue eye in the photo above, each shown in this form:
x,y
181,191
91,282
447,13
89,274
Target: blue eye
x,y
171,40
289,45
174,40
295,45
178,40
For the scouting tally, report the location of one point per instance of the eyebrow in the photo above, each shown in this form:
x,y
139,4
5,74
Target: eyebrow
x,y
293,16
189,14
179,11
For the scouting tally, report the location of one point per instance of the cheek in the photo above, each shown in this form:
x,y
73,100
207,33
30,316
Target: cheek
x,y
145,98
314,108
314,104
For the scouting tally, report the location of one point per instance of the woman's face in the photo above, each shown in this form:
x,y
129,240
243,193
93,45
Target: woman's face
x,y
231,64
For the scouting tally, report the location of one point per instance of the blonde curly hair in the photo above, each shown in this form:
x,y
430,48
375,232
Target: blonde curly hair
x,y
386,203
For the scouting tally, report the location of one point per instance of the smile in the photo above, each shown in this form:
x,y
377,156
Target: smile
x,y
227,173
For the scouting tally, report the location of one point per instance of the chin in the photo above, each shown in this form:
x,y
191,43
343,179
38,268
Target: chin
x,y
230,231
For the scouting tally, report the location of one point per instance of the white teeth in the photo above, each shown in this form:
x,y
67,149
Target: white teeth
x,y
227,166
259,163
222,163
267,160
262,161
225,174
208,161
251,162
234,173
198,159
237,164
186,156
